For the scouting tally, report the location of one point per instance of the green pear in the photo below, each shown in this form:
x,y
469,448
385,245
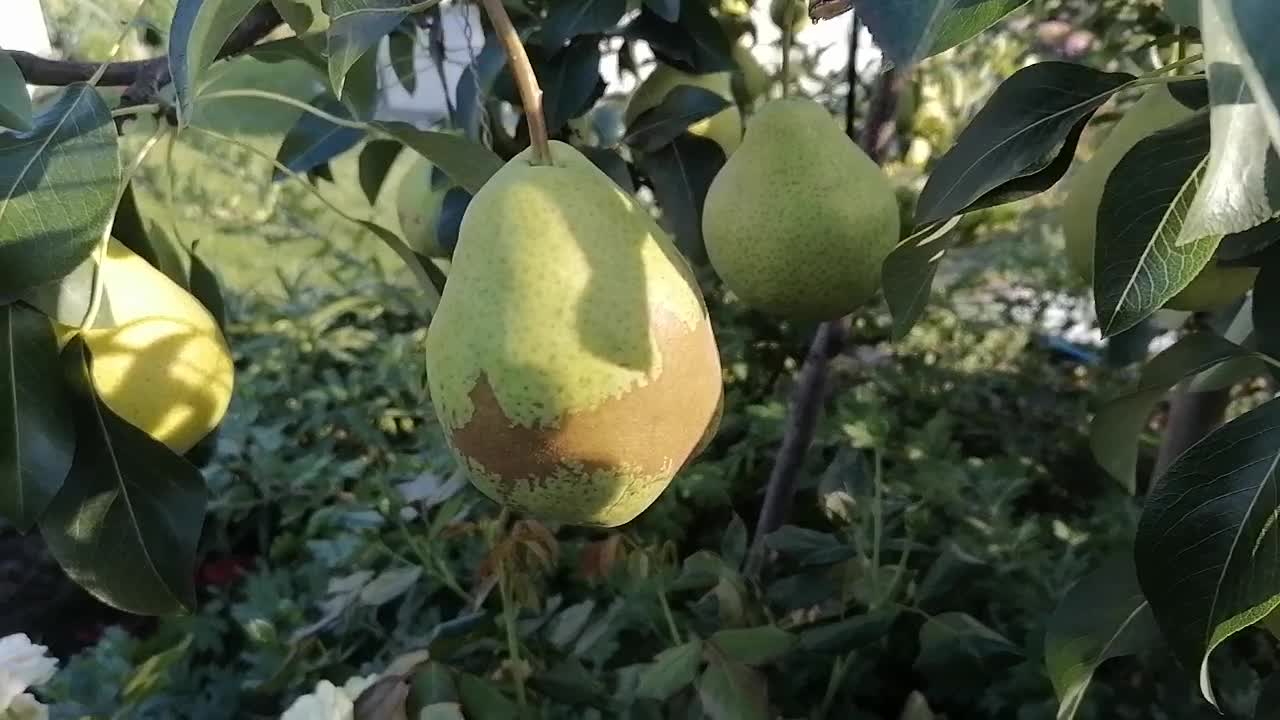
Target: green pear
x,y
571,362
725,127
1216,286
419,201
799,220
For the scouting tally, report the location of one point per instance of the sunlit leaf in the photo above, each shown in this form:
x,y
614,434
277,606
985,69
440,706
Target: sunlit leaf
x,y
682,107
355,28
15,101
199,29
907,273
467,162
1251,24
756,645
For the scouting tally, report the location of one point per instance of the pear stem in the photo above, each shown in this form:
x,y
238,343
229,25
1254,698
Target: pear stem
x,y
788,25
526,81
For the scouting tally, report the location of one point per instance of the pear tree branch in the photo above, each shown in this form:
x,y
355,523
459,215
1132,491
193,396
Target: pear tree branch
x,y
828,341
526,81
143,78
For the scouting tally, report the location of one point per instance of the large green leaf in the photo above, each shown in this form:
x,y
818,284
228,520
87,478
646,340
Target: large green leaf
x,y
126,522
759,645
968,18
313,141
15,101
671,671
376,159
1183,12
910,30
402,47
1241,184
694,42
1115,431
730,690
467,163
1266,310
681,173
682,107
1020,142
37,435
1139,264
304,16
1251,25
569,77
567,19
355,28
1102,616
1206,549
907,273
199,29
58,183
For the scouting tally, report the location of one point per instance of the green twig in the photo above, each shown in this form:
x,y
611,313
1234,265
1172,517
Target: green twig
x,y
513,641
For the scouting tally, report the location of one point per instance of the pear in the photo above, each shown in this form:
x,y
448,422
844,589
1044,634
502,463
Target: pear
x,y
1216,286
792,12
725,127
419,200
163,365
799,219
571,362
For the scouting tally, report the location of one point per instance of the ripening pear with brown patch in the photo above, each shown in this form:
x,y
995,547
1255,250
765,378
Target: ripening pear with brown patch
x,y
571,362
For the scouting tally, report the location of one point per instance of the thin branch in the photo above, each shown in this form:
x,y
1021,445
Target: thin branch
x,y
526,81
144,78
828,341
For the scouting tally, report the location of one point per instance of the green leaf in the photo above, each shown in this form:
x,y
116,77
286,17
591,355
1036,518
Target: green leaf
x,y
15,101
1139,265
570,80
957,652
431,684
442,711
303,16
355,28
671,671
313,141
1021,142
1241,184
58,184
376,159
1250,25
907,273
569,682
668,10
1183,12
612,164
663,123
205,287
847,635
199,29
806,547
569,623
730,690
67,299
968,18
1268,705
481,699
695,43
37,434
681,173
1115,430
153,673
733,544
757,645
126,523
1102,616
467,163
567,19
389,585
1206,548
402,48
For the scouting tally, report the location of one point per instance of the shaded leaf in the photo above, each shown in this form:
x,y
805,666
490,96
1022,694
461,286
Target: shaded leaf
x,y
1247,247
1250,25
313,141
1268,705
15,101
389,585
806,547
67,300
568,624
355,28
681,172
474,85
481,699
1020,142
967,18
1266,310
58,184
757,645
904,29
376,159
567,19
468,163
154,672
1205,549
908,271
449,223
668,10
570,80
126,522
207,290
695,43
569,682
303,16
1183,12
1241,184
37,433
671,671
733,545
1115,430
1138,265
1102,616
680,108
612,164
401,47
199,29
847,635
730,690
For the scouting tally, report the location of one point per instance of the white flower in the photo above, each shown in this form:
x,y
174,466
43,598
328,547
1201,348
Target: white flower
x,y
22,665
25,707
329,702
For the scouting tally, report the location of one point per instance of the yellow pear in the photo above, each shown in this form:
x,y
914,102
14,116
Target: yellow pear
x,y
799,220
571,362
725,127
418,205
1216,286
164,365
